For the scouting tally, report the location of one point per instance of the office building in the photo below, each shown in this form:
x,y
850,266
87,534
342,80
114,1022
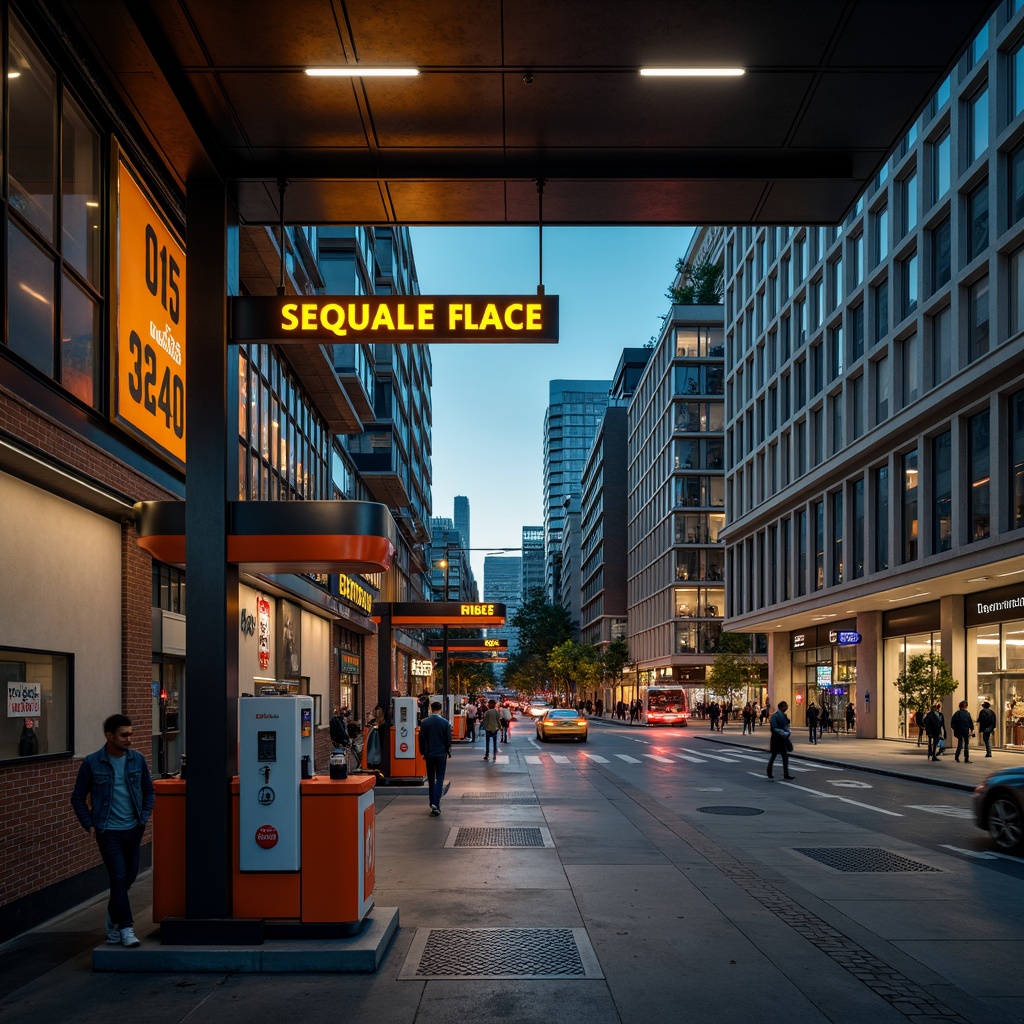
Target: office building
x,y
569,577
533,560
570,422
462,518
875,391
503,583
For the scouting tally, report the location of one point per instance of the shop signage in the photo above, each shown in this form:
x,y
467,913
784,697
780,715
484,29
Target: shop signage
x,y
247,623
394,319
149,342
847,637
23,699
1001,605
797,641
421,668
476,609
354,594
349,664
263,626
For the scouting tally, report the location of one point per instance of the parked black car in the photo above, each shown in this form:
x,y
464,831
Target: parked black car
x,y
999,808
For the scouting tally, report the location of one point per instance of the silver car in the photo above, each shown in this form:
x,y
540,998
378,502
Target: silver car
x,y
999,808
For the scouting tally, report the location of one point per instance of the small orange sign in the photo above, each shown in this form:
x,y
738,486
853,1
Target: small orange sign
x,y
369,853
149,361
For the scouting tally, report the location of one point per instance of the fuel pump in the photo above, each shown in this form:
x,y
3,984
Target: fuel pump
x,y
403,728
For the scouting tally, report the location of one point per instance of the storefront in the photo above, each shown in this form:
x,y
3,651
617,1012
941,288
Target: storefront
x,y
995,659
824,671
905,633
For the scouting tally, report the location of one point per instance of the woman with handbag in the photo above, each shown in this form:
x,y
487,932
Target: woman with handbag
x,y
935,729
780,742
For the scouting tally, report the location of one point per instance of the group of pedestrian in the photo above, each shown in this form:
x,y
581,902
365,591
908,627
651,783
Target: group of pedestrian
x,y
933,726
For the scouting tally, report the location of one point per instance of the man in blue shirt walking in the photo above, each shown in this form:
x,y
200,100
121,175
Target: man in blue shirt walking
x,y
113,794
436,748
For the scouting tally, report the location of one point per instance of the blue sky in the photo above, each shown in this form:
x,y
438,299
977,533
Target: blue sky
x,y
489,400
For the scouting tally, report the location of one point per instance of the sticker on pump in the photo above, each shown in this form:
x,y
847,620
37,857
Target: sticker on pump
x,y
403,747
266,837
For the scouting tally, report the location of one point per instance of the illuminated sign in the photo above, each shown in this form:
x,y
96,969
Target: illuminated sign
x,y
797,641
355,594
421,668
394,319
149,344
476,609
847,638
494,643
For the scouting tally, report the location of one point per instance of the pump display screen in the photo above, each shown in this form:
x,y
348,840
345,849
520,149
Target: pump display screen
x,y
266,746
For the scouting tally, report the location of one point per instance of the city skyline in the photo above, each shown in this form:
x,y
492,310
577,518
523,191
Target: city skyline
x,y
489,401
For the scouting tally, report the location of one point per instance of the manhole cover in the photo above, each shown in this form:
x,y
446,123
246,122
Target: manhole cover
x,y
526,953
504,798
504,838
866,858
740,811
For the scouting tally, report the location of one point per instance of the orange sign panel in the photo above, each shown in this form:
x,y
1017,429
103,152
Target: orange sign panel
x,y
149,363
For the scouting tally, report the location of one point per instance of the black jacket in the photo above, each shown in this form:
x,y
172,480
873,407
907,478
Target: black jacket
x,y
935,724
986,720
962,723
435,736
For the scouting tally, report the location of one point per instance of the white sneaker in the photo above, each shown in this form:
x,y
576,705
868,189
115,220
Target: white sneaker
x,y
129,938
113,934
434,812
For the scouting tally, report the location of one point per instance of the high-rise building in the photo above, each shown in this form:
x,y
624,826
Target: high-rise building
x,y
603,520
574,410
875,489
462,518
569,578
533,560
450,575
503,582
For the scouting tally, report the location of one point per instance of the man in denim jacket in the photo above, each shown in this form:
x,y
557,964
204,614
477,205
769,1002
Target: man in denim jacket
x,y
119,789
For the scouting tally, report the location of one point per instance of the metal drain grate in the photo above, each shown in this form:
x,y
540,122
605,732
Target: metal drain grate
x,y
510,838
505,798
867,858
494,953
730,810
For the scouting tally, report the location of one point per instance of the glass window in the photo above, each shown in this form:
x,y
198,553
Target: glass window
x,y
977,318
880,248
857,404
942,346
835,352
908,281
979,525
857,540
942,499
858,259
941,151
908,201
817,371
80,193
1015,178
1017,460
910,366
882,518
817,438
30,300
977,219
837,537
819,545
1017,291
835,282
32,133
940,251
801,567
882,389
856,332
41,682
80,344
881,301
1017,81
837,422
910,506
977,117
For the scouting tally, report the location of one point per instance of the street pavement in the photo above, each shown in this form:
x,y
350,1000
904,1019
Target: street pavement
x,y
637,906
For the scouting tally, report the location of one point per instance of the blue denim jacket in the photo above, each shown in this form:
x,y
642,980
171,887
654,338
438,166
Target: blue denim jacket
x,y
96,780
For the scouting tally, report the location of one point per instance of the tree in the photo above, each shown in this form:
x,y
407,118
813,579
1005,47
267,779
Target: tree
x,y
924,681
573,665
616,658
732,670
700,284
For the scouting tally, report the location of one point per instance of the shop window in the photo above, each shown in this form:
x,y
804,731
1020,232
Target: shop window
x,y
942,499
979,525
37,686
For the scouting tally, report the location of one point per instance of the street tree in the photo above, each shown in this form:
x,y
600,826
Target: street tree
x,y
924,681
573,665
616,658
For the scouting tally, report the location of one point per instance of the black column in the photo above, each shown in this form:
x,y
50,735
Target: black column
x,y
211,712
385,669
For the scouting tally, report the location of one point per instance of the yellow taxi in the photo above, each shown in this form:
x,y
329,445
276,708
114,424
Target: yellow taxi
x,y
562,722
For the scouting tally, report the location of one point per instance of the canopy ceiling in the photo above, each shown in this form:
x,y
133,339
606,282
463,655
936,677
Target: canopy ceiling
x,y
515,90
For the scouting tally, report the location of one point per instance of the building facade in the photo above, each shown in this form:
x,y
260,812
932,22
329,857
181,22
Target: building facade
x,y
875,391
503,583
533,560
574,410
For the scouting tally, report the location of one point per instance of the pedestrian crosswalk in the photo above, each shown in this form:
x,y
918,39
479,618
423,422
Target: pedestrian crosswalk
x,y
679,757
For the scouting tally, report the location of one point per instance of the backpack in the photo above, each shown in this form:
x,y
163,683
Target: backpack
x,y
373,748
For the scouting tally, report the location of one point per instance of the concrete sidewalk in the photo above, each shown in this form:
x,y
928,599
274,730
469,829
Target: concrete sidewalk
x,y
662,903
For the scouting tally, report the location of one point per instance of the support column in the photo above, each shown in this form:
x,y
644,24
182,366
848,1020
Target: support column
x,y
211,712
869,675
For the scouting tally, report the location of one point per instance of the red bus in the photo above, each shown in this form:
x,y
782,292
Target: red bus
x,y
667,704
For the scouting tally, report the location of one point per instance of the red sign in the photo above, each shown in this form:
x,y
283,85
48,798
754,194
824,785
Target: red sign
x,y
369,853
266,837
403,747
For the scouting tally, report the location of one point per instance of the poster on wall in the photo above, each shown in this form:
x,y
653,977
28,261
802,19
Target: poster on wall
x,y
289,638
23,699
263,630
149,335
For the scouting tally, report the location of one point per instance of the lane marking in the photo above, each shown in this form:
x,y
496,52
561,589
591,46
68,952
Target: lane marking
x,y
501,759
983,854
658,757
849,783
628,759
559,758
841,799
595,757
948,810
689,757
533,759
825,767
716,757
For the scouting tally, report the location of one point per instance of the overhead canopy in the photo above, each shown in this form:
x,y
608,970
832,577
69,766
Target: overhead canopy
x,y
511,91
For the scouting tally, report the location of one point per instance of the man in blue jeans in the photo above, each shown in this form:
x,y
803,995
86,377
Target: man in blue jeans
x,y
436,748
113,794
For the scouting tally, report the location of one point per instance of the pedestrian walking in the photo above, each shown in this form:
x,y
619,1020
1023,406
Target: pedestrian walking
x,y
919,722
812,721
987,726
492,725
747,715
825,721
114,795
436,747
851,717
963,730
714,713
471,713
935,729
780,742
505,715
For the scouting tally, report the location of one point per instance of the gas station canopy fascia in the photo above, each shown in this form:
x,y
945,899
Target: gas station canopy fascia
x,y
512,91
